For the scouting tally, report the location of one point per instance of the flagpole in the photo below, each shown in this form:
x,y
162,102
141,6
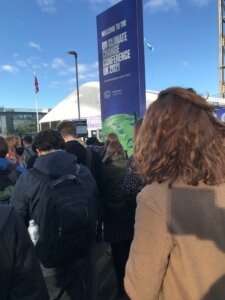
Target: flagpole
x,y
36,108
36,99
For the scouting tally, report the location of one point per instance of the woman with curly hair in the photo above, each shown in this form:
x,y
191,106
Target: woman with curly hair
x,y
178,250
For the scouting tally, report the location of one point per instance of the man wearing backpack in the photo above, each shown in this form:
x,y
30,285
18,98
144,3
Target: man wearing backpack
x,y
60,196
87,157
84,156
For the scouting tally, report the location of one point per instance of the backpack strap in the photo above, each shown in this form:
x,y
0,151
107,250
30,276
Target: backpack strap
x,y
89,158
46,178
64,178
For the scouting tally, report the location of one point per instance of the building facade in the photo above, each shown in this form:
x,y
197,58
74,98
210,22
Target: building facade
x,y
16,121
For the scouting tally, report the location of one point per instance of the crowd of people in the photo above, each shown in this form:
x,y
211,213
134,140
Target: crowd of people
x,y
160,210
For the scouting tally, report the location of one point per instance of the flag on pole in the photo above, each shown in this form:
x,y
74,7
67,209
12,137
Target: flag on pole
x,y
150,47
36,86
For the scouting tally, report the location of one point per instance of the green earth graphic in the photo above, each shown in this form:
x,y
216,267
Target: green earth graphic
x,y
122,125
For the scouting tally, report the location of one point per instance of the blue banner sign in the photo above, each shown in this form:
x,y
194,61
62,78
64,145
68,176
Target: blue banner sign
x,y
121,65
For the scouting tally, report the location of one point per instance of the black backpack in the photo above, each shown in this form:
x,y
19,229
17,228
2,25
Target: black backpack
x,y
66,219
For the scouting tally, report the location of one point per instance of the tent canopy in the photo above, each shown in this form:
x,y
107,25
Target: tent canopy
x,y
67,109
89,95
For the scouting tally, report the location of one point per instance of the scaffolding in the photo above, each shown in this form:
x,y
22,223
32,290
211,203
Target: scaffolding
x,y
221,11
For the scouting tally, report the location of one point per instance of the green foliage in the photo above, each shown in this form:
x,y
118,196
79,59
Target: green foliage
x,y
23,129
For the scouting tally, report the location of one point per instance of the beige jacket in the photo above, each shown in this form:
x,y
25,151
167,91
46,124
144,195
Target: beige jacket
x,y
178,251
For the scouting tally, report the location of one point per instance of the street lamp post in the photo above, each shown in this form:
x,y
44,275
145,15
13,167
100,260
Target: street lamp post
x,y
78,98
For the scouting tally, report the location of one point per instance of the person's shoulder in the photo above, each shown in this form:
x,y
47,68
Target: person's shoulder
x,y
75,147
87,180
74,143
155,195
83,170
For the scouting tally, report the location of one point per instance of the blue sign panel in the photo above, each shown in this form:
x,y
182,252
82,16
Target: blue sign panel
x,y
121,69
220,114
121,59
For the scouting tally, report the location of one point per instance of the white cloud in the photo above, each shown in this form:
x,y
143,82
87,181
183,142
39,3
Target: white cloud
x,y
95,65
96,2
83,68
100,4
47,5
63,72
21,63
58,63
87,69
201,2
34,45
85,72
8,69
55,83
31,60
161,5
72,81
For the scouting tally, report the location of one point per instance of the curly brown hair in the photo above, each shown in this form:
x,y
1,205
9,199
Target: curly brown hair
x,y
180,139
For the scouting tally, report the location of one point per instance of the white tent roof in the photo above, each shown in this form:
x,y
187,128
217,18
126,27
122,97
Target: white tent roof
x,y
89,104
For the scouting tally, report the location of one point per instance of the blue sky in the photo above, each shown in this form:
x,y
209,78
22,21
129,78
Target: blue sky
x,y
38,33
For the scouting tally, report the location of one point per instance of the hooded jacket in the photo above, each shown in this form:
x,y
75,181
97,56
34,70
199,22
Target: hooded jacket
x,y
25,199
53,164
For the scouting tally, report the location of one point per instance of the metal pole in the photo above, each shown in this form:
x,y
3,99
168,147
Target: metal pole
x,y
220,8
78,97
37,116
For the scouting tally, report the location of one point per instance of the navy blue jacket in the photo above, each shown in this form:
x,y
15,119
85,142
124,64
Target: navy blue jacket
x,y
54,164
25,199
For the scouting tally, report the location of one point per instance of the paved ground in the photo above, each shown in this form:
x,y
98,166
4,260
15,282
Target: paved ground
x,y
106,275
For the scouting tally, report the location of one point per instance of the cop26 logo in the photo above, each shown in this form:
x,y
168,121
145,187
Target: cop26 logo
x,y
107,94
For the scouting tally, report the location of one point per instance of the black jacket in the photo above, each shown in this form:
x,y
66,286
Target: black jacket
x,y
113,170
20,273
25,199
88,158
77,149
55,164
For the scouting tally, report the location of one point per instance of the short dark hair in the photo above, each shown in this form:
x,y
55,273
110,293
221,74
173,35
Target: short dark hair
x,y
3,147
92,141
67,128
49,139
28,139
